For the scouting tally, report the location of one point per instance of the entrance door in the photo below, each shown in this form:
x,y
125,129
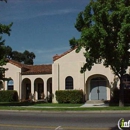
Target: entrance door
x,y
94,90
98,89
102,90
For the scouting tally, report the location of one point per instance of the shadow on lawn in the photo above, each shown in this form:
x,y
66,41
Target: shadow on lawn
x,y
25,103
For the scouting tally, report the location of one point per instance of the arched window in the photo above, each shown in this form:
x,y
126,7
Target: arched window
x,y
10,85
69,82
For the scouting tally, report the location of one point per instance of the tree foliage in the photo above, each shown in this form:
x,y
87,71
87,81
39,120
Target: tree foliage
x,y
105,34
4,29
26,57
4,0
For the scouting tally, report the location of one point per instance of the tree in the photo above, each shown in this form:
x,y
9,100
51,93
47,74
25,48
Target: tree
x,y
26,57
8,52
4,29
105,34
17,56
4,0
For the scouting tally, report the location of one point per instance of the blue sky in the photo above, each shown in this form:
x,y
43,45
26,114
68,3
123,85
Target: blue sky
x,y
41,26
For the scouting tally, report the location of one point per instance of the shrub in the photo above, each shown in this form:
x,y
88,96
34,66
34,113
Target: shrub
x,y
69,96
115,97
8,96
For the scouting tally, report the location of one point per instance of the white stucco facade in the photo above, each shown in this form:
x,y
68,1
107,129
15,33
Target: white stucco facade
x,y
96,84
14,73
70,65
26,83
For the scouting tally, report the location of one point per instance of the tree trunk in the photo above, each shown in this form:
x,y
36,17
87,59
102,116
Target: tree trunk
x,y
121,93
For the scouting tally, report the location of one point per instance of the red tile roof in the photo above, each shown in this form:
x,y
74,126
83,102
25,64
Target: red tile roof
x,y
38,69
56,57
16,63
33,69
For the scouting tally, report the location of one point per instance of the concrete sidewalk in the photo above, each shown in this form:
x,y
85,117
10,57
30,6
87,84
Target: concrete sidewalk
x,y
82,106
95,105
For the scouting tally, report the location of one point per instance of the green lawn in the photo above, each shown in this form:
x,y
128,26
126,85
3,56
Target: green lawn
x,y
66,109
38,104
60,107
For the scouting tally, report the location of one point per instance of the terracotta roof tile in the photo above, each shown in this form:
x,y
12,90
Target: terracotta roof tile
x,y
32,69
38,69
16,63
56,57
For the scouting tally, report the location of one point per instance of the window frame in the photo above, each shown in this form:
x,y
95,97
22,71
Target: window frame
x,y
10,86
69,83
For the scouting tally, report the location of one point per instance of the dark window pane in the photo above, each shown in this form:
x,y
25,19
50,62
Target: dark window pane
x,y
10,87
69,82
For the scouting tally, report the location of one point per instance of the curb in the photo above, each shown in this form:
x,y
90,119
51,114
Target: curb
x,y
42,111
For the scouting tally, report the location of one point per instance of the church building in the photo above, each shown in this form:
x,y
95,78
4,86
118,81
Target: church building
x,y
42,81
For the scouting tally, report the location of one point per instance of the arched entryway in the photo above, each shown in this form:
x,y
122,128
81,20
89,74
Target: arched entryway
x,y
39,88
49,90
98,88
26,88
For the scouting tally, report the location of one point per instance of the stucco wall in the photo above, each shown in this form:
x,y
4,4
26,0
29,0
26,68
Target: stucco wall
x,y
44,78
70,65
14,73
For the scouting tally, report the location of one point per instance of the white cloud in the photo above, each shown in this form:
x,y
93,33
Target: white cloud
x,y
49,13
52,50
58,12
22,15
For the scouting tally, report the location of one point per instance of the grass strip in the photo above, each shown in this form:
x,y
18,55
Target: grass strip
x,y
66,109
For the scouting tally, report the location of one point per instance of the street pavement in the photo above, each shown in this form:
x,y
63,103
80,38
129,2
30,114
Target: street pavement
x,y
60,121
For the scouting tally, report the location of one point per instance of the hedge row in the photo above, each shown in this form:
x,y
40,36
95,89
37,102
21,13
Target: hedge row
x,y
8,96
69,96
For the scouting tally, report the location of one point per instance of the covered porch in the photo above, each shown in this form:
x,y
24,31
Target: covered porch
x,y
38,89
